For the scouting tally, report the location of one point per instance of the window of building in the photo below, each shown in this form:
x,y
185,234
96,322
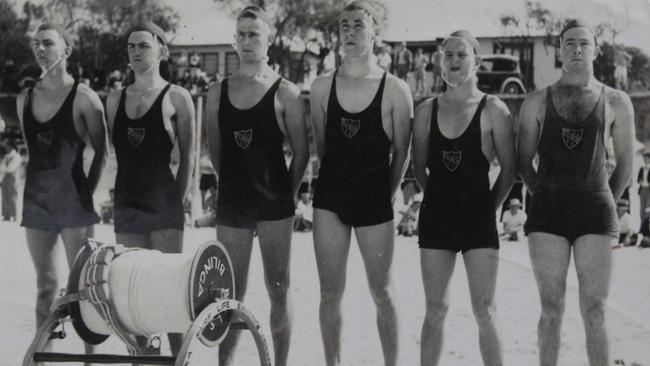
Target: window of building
x,y
504,65
210,63
525,52
232,62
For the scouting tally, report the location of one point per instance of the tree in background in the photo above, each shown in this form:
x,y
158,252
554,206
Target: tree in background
x,y
640,69
610,29
14,46
536,20
604,64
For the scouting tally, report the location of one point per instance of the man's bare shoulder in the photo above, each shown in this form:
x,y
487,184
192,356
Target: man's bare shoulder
x,y
534,105
85,91
287,91
214,91
321,85
114,96
424,105
536,97
495,106
87,97
422,117
617,98
179,95
397,87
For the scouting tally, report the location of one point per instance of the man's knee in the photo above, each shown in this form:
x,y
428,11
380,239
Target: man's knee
x,y
552,309
436,311
382,294
331,295
278,289
484,312
593,313
47,283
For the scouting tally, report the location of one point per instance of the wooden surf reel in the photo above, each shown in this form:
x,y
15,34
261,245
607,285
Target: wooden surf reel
x,y
114,290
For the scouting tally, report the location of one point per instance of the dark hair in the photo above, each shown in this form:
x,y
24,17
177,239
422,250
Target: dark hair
x,y
59,28
152,28
466,35
375,9
255,12
575,23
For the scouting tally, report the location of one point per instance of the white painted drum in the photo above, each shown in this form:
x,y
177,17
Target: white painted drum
x,y
149,294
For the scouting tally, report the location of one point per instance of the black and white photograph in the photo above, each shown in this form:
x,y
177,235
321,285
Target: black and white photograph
x,y
325,182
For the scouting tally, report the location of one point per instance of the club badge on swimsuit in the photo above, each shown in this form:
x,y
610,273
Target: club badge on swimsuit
x,y
571,137
350,127
452,159
44,140
243,138
136,135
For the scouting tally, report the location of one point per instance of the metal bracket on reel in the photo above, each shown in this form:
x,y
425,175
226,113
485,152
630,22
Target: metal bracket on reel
x,y
210,299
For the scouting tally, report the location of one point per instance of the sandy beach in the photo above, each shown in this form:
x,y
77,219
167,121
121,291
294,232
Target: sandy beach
x,y
517,307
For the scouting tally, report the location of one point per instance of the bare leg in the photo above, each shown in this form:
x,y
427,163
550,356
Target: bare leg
x,y
169,241
376,244
593,260
239,243
549,256
437,268
331,245
481,266
73,240
42,247
133,240
275,246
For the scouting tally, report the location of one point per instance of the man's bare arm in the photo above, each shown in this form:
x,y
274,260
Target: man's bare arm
x,y
112,102
294,121
317,100
529,131
212,125
92,112
421,127
622,132
20,106
185,132
503,136
402,113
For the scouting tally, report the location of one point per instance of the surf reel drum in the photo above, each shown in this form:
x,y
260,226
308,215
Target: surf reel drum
x,y
114,290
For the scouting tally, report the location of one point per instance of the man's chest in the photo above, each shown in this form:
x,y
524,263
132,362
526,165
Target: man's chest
x,y
575,106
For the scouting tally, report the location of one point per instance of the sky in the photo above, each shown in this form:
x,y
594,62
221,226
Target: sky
x,y
202,21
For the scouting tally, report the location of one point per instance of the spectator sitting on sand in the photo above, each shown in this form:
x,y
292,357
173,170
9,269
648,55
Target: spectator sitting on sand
x,y
304,218
644,231
627,236
513,221
209,218
408,224
107,208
